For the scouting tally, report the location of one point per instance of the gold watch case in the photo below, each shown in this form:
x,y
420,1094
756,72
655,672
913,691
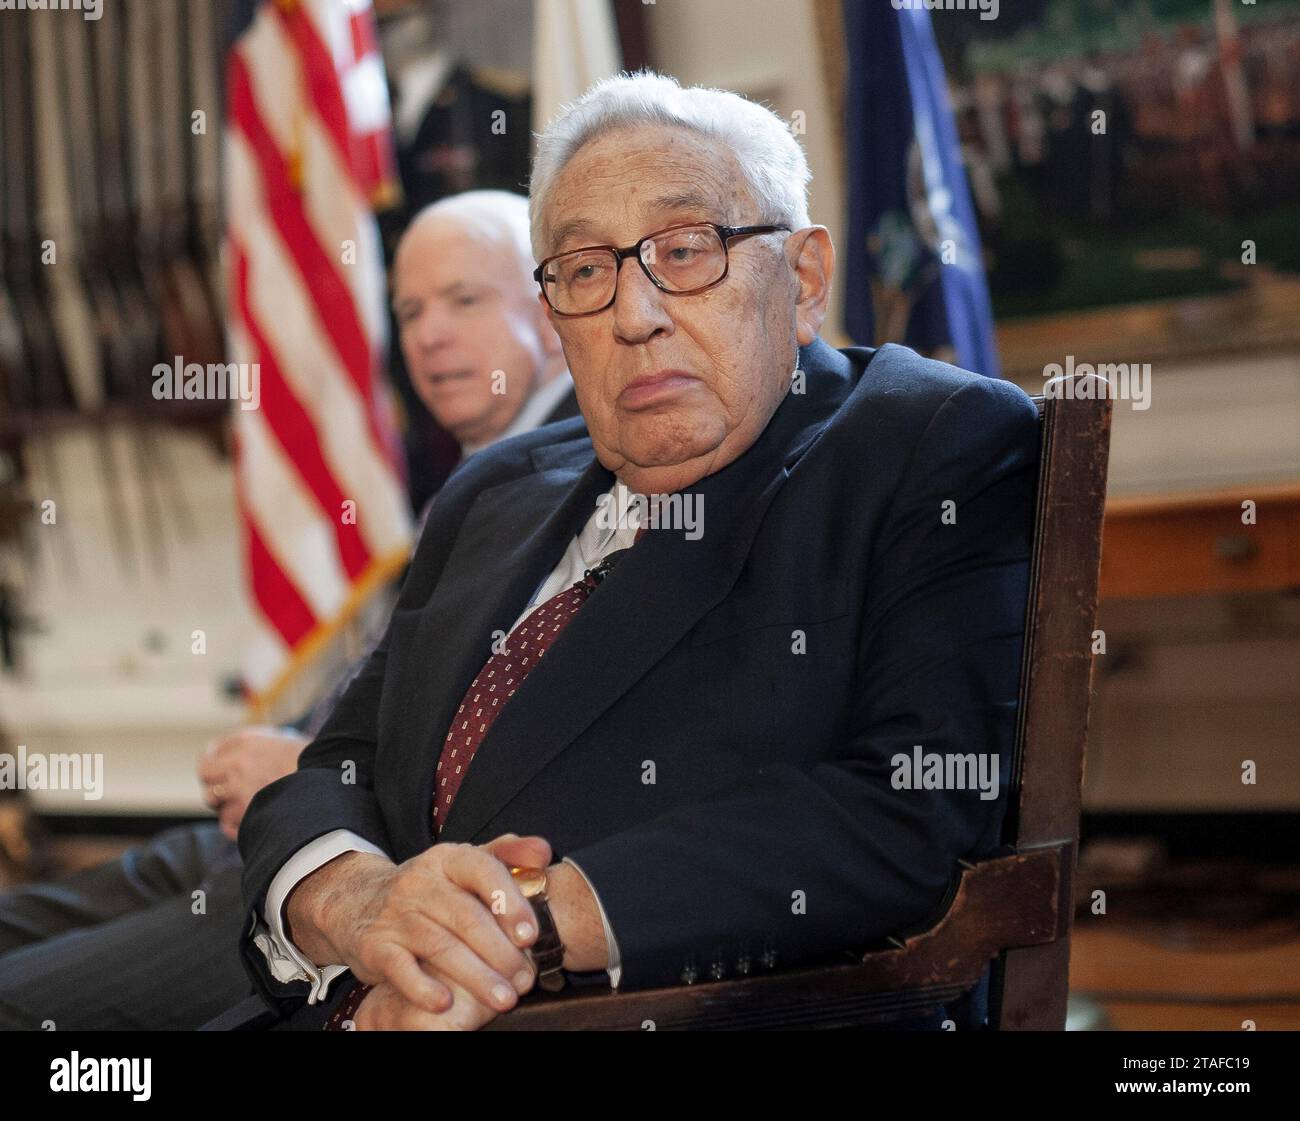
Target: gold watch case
x,y
531,881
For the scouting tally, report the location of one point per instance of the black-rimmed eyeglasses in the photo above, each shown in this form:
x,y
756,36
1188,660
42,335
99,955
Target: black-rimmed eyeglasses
x,y
681,260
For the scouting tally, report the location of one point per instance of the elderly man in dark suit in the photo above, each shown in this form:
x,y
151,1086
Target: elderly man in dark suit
x,y
650,706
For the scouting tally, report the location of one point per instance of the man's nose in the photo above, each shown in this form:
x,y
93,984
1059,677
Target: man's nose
x,y
433,329
639,306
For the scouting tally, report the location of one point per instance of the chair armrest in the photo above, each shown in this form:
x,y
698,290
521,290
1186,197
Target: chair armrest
x,y
1000,903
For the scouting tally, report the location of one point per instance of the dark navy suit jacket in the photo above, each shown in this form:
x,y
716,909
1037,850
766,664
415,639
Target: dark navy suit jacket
x,y
711,737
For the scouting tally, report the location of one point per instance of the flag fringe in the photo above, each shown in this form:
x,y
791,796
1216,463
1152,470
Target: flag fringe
x,y
379,572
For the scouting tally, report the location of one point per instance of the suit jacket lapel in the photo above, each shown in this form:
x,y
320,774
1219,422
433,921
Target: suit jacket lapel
x,y
509,541
653,597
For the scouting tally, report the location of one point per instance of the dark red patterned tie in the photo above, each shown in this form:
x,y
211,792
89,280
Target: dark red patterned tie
x,y
496,683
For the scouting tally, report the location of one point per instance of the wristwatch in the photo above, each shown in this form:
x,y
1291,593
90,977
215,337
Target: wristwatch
x,y
547,953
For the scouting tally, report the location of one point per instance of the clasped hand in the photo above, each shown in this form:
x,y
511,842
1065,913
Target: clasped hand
x,y
441,937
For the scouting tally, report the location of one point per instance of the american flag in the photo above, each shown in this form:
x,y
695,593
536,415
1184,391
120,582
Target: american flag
x,y
319,477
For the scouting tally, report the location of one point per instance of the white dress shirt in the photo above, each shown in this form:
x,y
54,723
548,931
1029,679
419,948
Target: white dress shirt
x,y
597,539
534,412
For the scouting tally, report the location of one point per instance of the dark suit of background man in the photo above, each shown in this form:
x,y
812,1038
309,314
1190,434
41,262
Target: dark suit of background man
x,y
704,758
120,945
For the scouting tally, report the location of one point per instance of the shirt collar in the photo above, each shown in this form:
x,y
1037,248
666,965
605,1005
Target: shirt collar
x,y
540,405
613,526
533,413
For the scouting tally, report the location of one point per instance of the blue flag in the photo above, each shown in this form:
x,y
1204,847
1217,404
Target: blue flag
x,y
915,273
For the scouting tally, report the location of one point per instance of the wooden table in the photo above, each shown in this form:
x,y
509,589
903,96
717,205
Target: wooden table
x,y
1197,543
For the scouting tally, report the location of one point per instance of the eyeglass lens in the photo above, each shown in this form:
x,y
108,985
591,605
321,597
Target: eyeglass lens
x,y
681,260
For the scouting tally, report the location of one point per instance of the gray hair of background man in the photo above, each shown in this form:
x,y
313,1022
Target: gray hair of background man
x,y
772,161
500,216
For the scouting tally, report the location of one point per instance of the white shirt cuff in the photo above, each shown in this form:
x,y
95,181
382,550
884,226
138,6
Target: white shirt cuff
x,y
615,967
285,960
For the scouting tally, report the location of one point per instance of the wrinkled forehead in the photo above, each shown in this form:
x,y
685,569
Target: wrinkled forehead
x,y
630,182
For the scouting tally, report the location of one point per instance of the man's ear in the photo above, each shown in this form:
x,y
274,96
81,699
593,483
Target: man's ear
x,y
814,266
546,328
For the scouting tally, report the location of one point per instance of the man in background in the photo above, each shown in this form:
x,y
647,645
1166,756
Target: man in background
x,y
480,352
149,940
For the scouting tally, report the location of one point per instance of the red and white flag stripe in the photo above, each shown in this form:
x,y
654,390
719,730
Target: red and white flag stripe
x,y
319,479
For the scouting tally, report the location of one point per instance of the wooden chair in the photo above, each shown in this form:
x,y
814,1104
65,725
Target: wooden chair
x,y
1013,909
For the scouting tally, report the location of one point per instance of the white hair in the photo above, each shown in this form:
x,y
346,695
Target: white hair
x,y
500,216
771,159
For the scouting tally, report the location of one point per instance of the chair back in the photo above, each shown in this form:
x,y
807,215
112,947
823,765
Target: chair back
x,y
1030,983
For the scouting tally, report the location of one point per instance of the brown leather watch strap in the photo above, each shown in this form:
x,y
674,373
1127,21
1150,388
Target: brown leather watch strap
x,y
547,953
